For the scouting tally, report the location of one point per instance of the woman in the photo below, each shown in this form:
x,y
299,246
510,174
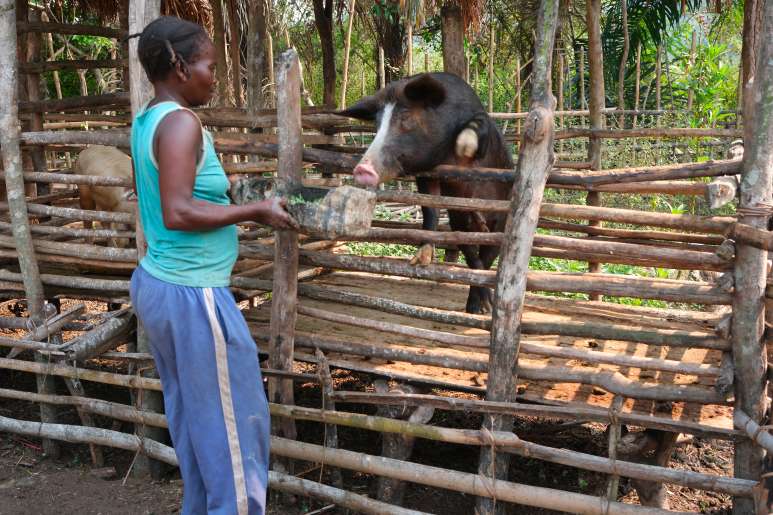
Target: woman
x,y
206,359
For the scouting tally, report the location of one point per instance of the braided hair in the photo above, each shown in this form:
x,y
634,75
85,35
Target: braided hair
x,y
166,42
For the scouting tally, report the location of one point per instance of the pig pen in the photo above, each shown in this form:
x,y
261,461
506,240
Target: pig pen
x,y
400,327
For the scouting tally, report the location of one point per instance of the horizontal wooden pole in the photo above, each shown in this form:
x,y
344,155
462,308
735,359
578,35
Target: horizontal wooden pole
x,y
613,382
602,284
72,232
589,179
70,29
75,282
76,214
73,103
510,442
643,188
635,234
158,451
70,178
562,412
708,224
527,347
79,250
71,64
659,132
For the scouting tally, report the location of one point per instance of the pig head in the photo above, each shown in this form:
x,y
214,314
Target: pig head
x,y
418,121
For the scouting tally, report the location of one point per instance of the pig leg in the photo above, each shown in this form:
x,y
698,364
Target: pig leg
x,y
86,201
429,222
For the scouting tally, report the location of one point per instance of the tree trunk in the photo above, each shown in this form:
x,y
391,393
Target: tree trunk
x,y
535,160
491,50
14,184
347,50
142,12
257,45
323,19
235,53
596,103
748,323
452,27
218,24
752,22
283,307
623,62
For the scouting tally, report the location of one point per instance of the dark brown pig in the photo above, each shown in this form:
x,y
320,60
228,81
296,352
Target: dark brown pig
x,y
425,121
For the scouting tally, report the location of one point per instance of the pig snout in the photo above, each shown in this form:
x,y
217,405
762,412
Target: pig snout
x,y
365,174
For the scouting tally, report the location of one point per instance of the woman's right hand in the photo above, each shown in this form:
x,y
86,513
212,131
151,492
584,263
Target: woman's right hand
x,y
274,213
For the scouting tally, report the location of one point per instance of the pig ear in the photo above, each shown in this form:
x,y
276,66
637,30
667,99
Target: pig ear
x,y
425,90
365,109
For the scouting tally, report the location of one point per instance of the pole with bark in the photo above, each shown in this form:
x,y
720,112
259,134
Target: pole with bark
x,y
595,105
409,44
285,283
748,323
14,183
142,12
535,160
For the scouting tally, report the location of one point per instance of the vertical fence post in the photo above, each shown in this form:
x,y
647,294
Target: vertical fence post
x,y
285,289
142,12
748,324
14,183
535,160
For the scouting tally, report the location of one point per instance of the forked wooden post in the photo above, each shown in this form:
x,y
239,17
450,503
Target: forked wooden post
x,y
284,297
14,183
748,324
535,160
142,12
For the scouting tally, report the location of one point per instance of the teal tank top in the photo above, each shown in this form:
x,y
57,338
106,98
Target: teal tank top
x,y
201,259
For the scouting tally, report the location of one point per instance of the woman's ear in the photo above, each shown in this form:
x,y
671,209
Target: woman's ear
x,y
182,71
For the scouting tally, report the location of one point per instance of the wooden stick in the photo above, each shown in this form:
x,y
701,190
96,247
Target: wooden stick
x,y
749,354
76,103
455,340
616,286
70,29
347,48
65,281
51,327
71,232
328,404
457,481
565,411
76,214
14,186
77,250
511,443
104,337
49,66
758,434
709,224
285,252
614,437
613,382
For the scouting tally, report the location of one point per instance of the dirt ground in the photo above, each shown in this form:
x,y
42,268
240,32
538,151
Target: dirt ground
x,y
31,483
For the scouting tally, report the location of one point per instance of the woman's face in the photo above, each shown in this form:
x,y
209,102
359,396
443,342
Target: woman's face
x,y
200,85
